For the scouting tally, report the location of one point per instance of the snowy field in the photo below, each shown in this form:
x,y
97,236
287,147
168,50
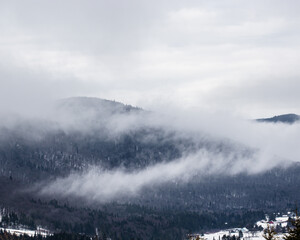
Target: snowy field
x,y
39,231
246,235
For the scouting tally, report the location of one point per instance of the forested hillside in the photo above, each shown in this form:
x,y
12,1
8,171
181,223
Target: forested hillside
x,y
88,133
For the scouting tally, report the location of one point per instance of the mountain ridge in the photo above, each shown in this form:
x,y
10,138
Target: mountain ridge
x,y
289,118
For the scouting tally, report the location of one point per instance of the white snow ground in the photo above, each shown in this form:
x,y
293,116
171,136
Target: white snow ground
x,y
39,231
246,235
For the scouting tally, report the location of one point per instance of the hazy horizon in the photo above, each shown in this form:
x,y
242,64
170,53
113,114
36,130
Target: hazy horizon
x,y
215,56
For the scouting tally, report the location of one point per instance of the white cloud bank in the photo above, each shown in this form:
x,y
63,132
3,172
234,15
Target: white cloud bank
x,y
98,185
248,148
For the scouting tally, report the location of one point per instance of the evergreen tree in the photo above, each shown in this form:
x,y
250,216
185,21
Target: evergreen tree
x,y
294,231
269,233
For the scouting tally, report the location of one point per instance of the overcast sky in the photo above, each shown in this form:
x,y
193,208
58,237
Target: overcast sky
x,y
240,57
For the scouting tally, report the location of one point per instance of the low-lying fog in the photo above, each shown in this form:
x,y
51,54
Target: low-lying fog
x,y
269,145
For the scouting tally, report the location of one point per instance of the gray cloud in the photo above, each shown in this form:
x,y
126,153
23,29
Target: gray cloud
x,y
193,53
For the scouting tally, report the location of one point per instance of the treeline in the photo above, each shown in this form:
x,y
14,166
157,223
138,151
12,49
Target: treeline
x,y
128,221
4,235
16,219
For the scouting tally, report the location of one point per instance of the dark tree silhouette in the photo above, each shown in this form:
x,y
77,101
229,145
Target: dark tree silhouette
x,y
270,233
294,231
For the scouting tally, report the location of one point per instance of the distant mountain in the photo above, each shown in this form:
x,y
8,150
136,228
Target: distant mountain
x,y
78,104
285,118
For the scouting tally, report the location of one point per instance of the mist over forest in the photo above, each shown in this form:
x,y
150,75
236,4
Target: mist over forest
x,y
118,163
147,119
